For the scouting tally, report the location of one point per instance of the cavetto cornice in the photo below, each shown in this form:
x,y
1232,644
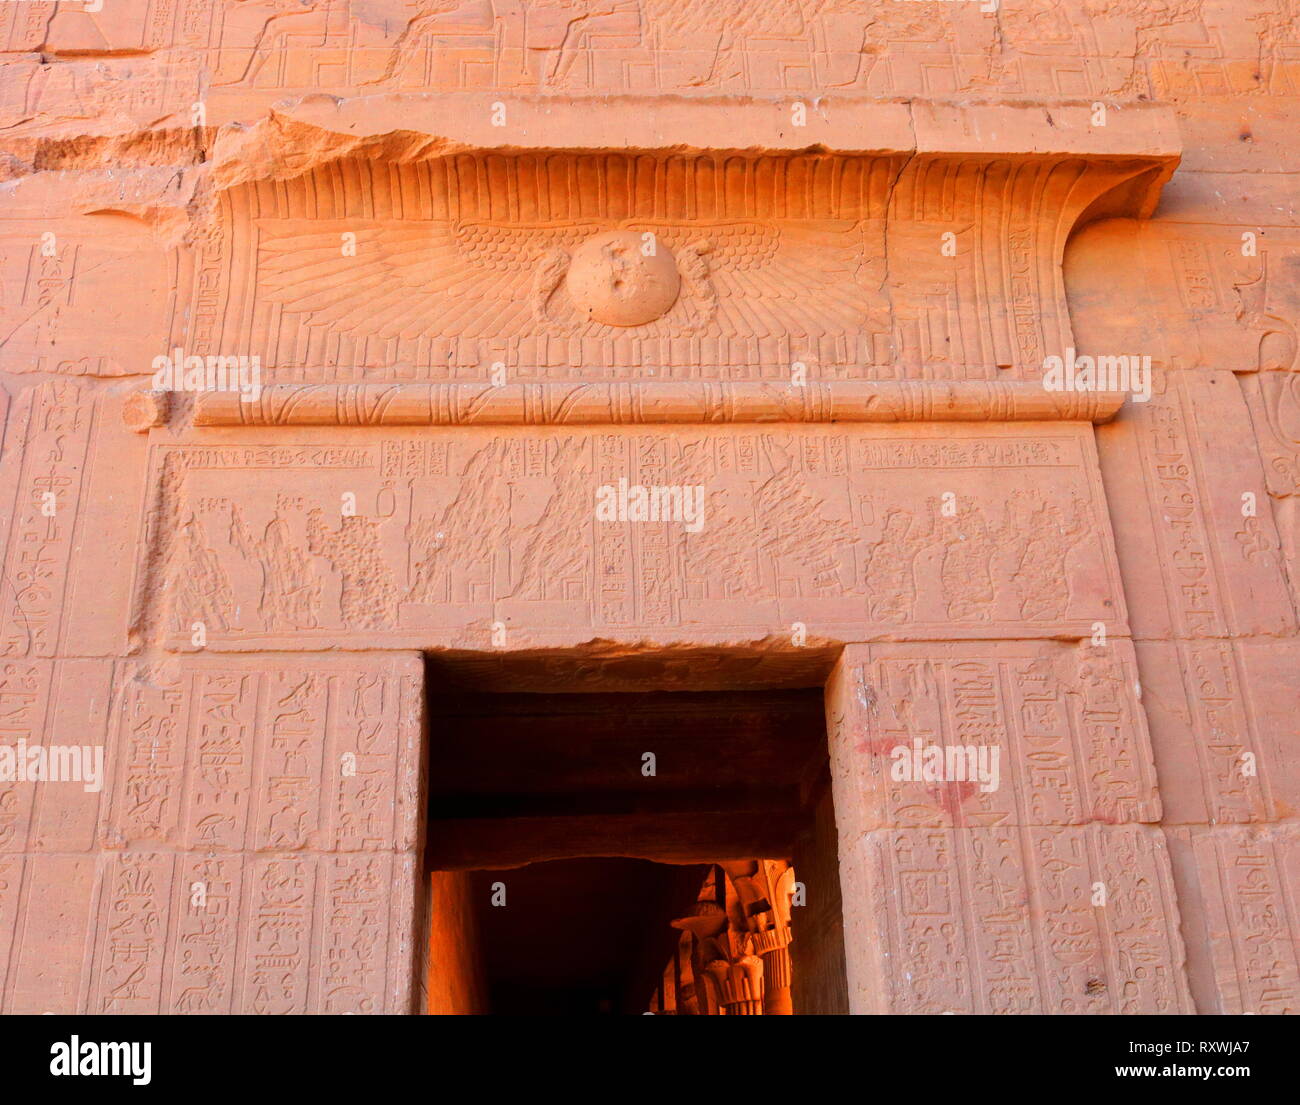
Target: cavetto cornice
x,y
299,135
864,239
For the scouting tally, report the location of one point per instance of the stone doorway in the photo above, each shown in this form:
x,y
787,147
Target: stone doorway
x,y
601,843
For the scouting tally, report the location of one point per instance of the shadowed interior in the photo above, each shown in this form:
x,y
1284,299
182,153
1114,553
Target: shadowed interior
x,y
569,830
516,778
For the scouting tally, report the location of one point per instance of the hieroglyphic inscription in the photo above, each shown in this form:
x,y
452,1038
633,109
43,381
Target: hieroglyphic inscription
x,y
966,897
1071,738
288,795
863,528
960,920
24,703
44,476
1246,879
1125,48
236,757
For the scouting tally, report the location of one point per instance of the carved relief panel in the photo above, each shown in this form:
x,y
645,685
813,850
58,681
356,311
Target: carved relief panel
x,y
600,265
252,847
994,806
432,539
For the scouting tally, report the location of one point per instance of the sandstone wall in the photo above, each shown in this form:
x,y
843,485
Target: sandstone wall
x,y
377,199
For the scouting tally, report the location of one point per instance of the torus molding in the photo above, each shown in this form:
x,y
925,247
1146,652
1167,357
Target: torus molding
x,y
661,403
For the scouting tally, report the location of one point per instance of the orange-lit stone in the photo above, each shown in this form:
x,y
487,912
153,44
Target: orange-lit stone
x,y
785,507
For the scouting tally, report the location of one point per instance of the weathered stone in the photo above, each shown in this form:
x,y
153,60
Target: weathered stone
x,y
559,398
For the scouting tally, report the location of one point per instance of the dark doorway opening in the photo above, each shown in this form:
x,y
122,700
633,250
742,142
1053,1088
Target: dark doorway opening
x,y
619,850
579,936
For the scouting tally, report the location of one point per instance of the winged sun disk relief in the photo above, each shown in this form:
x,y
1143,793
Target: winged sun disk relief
x,y
412,280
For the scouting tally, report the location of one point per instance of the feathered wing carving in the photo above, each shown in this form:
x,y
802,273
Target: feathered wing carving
x,y
547,276
766,279
478,280
411,279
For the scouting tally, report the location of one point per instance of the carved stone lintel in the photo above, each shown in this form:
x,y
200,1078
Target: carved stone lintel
x,y
640,403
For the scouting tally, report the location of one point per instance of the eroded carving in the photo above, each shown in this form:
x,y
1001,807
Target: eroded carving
x,y
796,526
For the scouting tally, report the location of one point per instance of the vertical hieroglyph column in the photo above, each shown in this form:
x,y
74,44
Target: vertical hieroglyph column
x,y
282,794
995,806
255,847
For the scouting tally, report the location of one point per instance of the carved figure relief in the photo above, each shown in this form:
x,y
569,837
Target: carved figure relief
x,y
801,526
